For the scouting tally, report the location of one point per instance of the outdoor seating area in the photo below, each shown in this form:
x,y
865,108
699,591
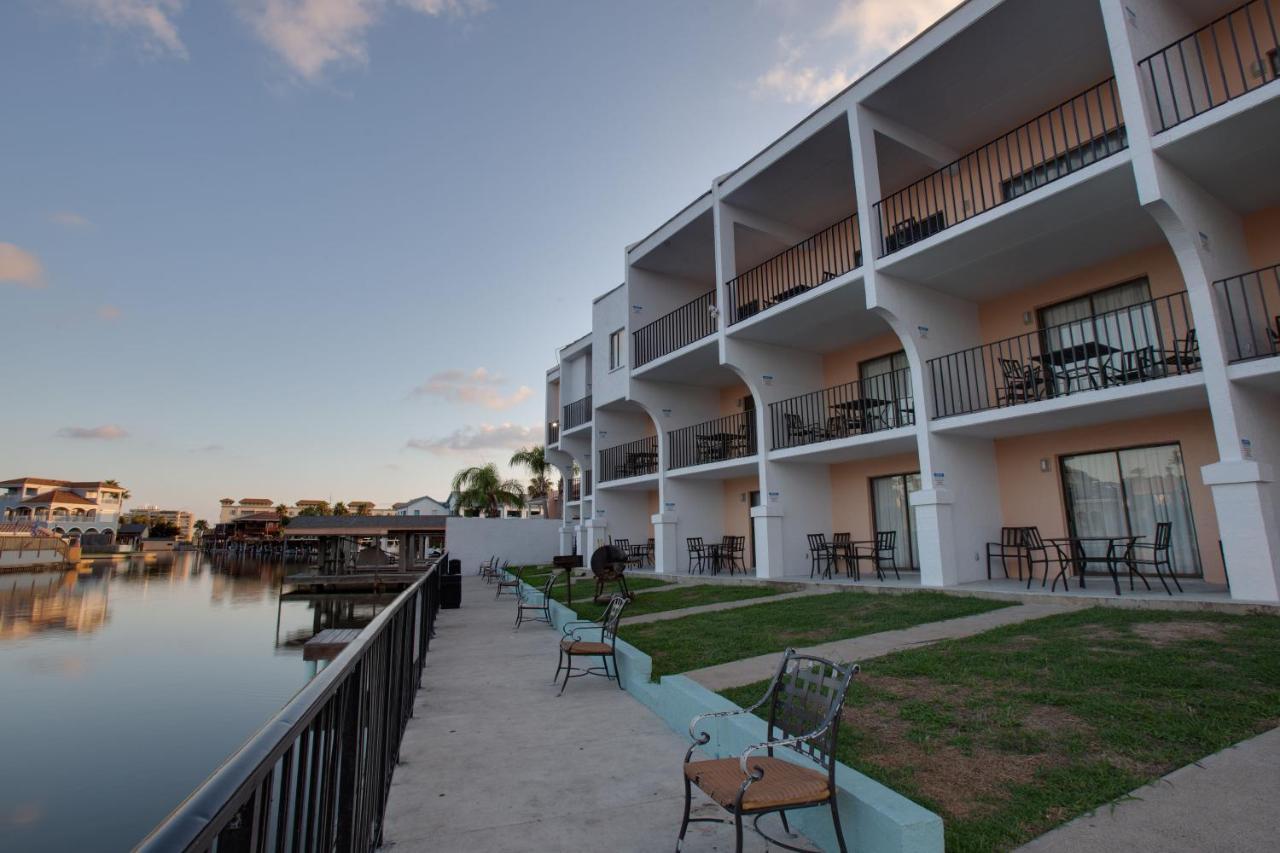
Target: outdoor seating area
x,y
825,556
719,440
869,405
1062,557
729,554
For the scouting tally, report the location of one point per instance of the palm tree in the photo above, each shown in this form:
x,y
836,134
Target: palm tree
x,y
535,460
481,489
115,484
341,509
282,512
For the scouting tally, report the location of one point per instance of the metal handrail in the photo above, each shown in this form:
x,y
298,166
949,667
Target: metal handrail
x,y
317,775
1185,82
1250,313
576,414
633,459
863,406
718,440
691,322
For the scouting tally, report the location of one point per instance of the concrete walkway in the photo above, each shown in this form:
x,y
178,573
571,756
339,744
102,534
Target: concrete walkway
x,y
494,761
747,670
1225,803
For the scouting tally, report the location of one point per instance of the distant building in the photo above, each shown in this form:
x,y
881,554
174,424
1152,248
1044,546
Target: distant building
x,y
232,509
67,507
424,505
179,518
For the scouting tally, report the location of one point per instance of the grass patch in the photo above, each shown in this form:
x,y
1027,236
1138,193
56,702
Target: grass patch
x,y
706,639
679,596
1010,733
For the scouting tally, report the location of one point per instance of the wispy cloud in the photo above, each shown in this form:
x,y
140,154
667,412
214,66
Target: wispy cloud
x,y
476,387
108,313
209,448
468,439
816,63
106,432
311,35
20,267
152,21
69,219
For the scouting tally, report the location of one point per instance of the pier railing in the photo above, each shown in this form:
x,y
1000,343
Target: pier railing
x,y
317,775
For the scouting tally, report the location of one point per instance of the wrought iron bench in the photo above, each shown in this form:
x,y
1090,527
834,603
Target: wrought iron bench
x,y
573,645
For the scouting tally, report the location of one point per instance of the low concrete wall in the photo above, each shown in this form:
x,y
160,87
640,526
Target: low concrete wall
x,y
523,541
32,556
875,819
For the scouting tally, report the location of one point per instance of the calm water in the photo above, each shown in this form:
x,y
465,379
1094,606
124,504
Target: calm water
x,y
123,687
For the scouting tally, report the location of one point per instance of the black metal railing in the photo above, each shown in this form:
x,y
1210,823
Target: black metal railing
x,y
1249,307
872,404
1138,343
1219,62
730,437
577,413
586,483
575,489
1079,131
691,322
633,459
317,776
553,432
829,254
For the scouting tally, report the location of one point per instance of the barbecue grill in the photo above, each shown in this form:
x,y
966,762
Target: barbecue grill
x,y
609,564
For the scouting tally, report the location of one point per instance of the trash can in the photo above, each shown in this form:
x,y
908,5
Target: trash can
x,y
451,586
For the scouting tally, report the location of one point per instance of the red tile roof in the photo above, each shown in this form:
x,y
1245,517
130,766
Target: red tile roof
x,y
59,496
255,502
75,484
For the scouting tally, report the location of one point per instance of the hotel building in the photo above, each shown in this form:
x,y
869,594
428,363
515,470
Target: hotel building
x,y
68,507
1021,273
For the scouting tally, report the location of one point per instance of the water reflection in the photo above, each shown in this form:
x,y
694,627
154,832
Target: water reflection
x,y
127,683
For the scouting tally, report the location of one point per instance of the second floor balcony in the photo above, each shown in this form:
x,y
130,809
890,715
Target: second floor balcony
x,y
867,405
691,322
1249,306
1076,133
576,414
553,432
718,440
633,459
1138,343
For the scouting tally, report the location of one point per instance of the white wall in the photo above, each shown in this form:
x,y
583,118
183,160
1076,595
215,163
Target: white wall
x,y
523,541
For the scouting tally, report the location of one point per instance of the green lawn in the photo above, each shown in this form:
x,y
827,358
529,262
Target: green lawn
x,y
692,642
584,589
679,596
1012,732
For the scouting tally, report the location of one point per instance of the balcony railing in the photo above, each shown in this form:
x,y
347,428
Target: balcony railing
x,y
586,483
1138,343
1250,309
575,489
1219,62
553,432
873,404
318,774
577,413
829,254
690,322
633,459
730,437
1065,139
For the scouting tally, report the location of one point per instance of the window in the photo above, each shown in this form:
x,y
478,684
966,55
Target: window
x,y
1076,158
615,349
888,378
891,510
1119,319
1125,493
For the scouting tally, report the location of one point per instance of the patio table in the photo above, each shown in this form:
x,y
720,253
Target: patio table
x,y
861,410
715,552
716,446
789,293
641,462
1075,556
1061,363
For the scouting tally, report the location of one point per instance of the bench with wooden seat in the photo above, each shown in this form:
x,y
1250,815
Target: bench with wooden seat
x,y
805,699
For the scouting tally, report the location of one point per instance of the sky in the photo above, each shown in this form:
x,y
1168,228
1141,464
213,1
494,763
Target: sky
x,y
329,248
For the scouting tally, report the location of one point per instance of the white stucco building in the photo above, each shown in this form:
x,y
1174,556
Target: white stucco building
x,y
68,507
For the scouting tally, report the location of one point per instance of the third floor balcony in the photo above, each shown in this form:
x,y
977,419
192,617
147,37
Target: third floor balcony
x,y
576,414
867,405
634,459
688,324
1249,306
718,440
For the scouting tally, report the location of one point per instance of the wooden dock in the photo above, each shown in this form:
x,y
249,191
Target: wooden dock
x,y
329,643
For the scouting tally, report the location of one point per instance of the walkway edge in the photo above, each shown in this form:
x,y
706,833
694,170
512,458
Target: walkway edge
x,y
875,819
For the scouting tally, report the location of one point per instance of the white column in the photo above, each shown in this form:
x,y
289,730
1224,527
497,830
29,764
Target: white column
x,y
770,548
666,543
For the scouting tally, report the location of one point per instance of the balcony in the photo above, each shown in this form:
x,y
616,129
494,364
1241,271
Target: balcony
x,y
864,406
553,432
827,255
574,491
719,440
1250,306
1139,343
1078,132
633,459
690,322
577,413
1217,63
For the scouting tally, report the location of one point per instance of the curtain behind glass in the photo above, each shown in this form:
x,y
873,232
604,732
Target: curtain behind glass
x,y
1156,487
913,485
1095,501
1077,321
889,496
894,385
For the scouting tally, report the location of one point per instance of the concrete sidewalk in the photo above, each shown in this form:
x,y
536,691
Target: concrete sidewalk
x,y
1225,803
494,761
745,671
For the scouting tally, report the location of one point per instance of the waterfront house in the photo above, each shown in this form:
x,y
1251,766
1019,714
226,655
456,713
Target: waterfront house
x,y
1023,272
67,507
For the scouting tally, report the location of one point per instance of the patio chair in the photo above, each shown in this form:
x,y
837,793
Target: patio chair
x,y
1154,554
880,551
1036,552
733,552
820,554
805,701
511,582
486,566
1130,366
697,554
536,603
798,432
1022,383
1010,545
572,645
1186,354
842,549
495,570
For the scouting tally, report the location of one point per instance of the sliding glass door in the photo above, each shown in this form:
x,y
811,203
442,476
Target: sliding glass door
x,y
892,510
1126,493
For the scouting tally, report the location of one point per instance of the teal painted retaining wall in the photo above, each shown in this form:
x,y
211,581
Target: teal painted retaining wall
x,y
875,819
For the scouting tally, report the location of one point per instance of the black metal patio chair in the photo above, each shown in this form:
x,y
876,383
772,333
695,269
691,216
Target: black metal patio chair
x,y
536,603
1022,383
880,551
697,554
573,645
510,581
733,553
805,700
842,549
1154,554
820,555
1010,545
1185,356
799,432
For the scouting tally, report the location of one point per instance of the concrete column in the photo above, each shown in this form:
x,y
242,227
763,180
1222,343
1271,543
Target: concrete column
x,y
595,533
770,549
666,543
1244,495
567,532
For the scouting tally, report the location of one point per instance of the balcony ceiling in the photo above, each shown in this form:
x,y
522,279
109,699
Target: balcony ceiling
x,y
825,321
698,365
1012,64
689,253
808,188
